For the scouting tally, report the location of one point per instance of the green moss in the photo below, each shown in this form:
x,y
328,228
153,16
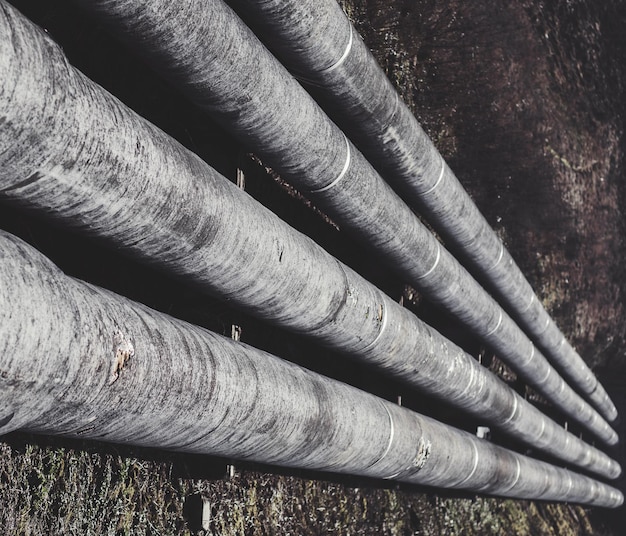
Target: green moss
x,y
97,489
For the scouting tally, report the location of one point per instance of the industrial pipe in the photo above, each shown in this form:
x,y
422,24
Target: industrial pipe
x,y
80,361
72,151
210,54
317,42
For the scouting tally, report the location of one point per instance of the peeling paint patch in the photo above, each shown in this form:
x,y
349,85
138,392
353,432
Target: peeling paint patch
x,y
123,350
423,453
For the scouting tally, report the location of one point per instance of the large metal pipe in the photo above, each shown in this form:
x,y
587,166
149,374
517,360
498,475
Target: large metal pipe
x,y
317,42
180,387
212,56
72,151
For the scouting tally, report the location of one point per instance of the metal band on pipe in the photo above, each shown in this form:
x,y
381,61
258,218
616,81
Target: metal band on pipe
x,y
343,172
343,56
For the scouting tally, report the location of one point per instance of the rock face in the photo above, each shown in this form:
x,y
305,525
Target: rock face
x,y
533,128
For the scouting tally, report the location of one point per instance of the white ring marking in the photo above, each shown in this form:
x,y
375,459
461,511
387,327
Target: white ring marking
x,y
547,375
343,171
518,473
500,256
382,328
497,325
432,268
434,187
532,299
343,56
514,410
471,474
392,433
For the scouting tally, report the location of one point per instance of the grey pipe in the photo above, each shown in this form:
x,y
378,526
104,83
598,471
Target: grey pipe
x,y
72,151
207,51
79,361
315,40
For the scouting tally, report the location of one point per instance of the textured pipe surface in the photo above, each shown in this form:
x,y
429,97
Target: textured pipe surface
x,y
71,150
103,170
317,42
207,51
180,387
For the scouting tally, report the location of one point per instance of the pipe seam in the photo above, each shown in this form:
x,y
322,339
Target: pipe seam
x,y
432,268
383,325
498,324
475,464
515,404
543,380
439,179
532,299
343,56
532,354
518,474
543,426
391,437
470,382
343,171
500,256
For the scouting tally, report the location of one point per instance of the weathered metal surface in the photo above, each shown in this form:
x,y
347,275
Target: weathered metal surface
x,y
185,388
72,151
207,51
317,42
